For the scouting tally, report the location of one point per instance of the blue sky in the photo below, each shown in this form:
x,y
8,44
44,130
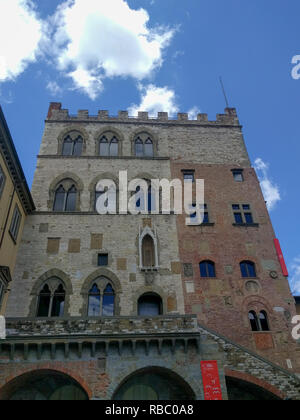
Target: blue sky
x,y
163,55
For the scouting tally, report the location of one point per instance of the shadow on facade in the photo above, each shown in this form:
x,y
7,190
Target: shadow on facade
x,y
239,390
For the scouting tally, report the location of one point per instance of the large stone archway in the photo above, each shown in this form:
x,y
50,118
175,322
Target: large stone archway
x,y
43,384
154,383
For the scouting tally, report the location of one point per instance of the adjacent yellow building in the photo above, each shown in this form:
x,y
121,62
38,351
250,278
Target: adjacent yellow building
x,y
15,204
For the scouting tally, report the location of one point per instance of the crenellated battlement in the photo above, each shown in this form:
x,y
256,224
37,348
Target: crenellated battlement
x,y
56,113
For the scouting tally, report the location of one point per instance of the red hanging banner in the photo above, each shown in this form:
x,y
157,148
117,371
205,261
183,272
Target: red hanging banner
x,y
211,381
281,258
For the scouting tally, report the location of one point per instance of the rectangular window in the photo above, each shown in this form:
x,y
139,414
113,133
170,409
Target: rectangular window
x,y
15,224
2,181
189,176
238,175
102,260
242,214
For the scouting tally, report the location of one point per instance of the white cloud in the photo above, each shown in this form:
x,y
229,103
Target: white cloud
x,y
20,34
193,113
155,99
295,276
95,39
54,88
269,189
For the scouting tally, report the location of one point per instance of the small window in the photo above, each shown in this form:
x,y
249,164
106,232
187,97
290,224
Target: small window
x,y
242,214
148,252
248,269
15,224
238,175
207,269
264,323
2,181
189,176
150,304
253,321
238,218
103,260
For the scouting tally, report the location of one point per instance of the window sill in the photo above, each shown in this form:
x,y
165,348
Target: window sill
x,y
246,224
147,269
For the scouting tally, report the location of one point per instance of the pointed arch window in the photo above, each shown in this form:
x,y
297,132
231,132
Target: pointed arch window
x,y
109,145
51,304
139,147
58,302
148,252
65,199
94,301
114,147
104,146
101,300
149,148
144,146
108,305
72,146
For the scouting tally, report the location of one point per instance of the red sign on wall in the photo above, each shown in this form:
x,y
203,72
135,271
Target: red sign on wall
x,y
211,381
281,258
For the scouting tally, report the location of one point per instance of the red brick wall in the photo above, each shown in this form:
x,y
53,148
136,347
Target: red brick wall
x,y
86,373
222,304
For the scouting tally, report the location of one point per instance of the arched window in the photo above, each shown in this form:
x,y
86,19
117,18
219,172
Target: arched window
x,y
94,301
207,269
261,323
253,321
149,148
150,304
65,198
72,145
144,146
139,147
148,252
101,299
109,145
58,302
51,304
114,147
263,320
104,147
248,269
44,302
108,305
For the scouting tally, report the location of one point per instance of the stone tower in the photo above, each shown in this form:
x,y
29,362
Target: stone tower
x,y
138,306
